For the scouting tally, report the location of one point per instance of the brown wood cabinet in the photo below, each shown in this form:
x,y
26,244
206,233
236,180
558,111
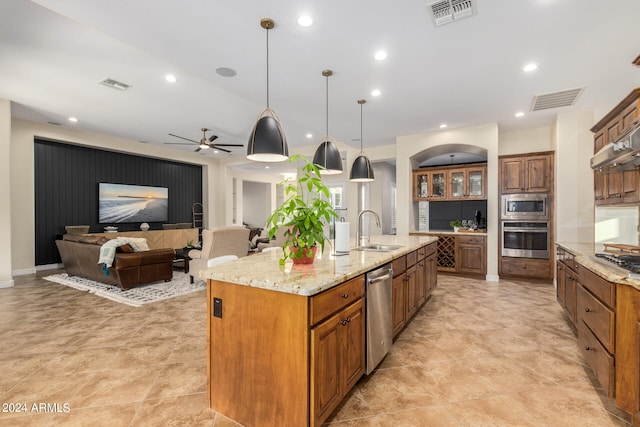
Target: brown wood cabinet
x,y
338,358
414,278
532,173
457,182
464,253
615,188
595,313
566,279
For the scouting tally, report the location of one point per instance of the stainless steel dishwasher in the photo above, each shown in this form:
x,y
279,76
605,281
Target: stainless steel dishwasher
x,y
379,305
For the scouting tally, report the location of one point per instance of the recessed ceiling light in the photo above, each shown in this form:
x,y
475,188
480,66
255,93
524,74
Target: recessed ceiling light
x,y
519,114
170,78
530,67
305,21
73,119
215,151
380,55
376,92
267,167
443,125
226,72
309,135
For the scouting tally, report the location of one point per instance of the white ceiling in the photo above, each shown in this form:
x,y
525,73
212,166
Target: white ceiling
x,y
53,53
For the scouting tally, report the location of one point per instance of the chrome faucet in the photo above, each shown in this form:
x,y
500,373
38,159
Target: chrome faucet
x,y
360,239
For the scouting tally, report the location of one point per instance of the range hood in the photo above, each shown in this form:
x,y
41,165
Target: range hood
x,y
623,154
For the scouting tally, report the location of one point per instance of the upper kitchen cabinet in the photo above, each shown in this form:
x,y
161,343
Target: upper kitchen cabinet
x,y
458,182
528,173
616,187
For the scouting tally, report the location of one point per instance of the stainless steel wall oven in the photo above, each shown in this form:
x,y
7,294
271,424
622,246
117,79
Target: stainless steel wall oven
x,y
526,239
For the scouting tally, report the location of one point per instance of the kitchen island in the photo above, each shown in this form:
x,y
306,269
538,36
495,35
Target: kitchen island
x,y
286,344
603,302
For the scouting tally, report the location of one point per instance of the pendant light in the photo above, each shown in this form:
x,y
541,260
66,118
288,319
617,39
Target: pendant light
x,y
361,170
267,142
327,155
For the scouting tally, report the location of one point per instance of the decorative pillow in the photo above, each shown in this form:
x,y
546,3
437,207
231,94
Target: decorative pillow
x,y
92,240
126,248
72,237
138,243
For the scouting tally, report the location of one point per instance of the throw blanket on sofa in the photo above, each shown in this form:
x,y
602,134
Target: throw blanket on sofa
x,y
108,250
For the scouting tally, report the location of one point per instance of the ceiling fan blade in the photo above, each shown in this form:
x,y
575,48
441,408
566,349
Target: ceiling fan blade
x,y
215,147
186,139
230,145
176,143
213,138
197,149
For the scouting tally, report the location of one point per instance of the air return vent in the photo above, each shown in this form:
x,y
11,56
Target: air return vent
x,y
447,11
114,84
563,98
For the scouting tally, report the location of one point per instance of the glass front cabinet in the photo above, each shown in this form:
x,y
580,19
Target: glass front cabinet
x,y
450,183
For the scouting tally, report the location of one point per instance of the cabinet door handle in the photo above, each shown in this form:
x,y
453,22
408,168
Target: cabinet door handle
x,y
344,323
586,347
345,296
587,309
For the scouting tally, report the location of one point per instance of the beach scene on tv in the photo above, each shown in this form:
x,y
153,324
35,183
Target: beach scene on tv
x,y
120,203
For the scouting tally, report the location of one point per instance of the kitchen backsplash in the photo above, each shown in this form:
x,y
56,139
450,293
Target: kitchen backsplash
x,y
617,225
438,215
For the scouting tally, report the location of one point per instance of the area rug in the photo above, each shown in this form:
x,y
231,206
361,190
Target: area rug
x,y
137,296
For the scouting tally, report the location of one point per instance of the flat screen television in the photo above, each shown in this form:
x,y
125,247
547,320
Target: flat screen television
x,y
122,203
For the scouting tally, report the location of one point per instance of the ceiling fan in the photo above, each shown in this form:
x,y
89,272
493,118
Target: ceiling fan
x,y
204,143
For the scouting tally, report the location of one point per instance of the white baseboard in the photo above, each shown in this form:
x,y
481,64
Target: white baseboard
x,y
24,271
7,284
492,278
49,267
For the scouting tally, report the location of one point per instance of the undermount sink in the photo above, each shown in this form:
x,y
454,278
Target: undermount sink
x,y
378,248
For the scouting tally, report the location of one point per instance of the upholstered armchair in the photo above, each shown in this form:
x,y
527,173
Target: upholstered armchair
x,y
278,241
219,241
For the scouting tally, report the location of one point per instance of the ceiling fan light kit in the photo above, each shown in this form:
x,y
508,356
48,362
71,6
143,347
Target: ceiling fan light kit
x,y
267,142
327,155
361,170
204,143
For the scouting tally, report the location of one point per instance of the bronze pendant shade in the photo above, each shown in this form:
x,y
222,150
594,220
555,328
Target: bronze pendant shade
x,y
327,155
361,170
267,142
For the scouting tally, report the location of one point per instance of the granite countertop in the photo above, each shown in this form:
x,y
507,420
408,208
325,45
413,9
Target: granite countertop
x,y
263,270
584,252
451,232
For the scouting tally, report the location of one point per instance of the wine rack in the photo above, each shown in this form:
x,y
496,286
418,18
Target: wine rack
x,y
446,252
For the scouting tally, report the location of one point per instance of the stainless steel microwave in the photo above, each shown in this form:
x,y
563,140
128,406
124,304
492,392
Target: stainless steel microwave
x,y
529,206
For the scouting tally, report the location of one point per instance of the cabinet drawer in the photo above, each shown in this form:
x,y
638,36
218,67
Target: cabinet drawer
x,y
526,267
334,299
412,258
598,358
399,265
604,290
598,317
471,240
422,253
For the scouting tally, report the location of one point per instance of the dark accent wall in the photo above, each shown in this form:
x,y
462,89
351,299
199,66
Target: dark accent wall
x,y
66,189
442,213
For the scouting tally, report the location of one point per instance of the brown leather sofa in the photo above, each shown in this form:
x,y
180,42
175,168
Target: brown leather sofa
x,y
80,254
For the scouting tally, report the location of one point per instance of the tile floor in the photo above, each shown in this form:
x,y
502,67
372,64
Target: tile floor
x,y
478,354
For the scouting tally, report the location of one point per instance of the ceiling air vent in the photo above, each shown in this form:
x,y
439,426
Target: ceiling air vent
x,y
563,98
447,11
114,84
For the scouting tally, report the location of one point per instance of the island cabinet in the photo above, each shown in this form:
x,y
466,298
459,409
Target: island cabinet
x,y
531,173
627,342
616,187
414,279
283,359
337,347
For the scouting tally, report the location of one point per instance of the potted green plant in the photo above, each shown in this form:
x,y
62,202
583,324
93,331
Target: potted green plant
x,y
455,225
304,213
